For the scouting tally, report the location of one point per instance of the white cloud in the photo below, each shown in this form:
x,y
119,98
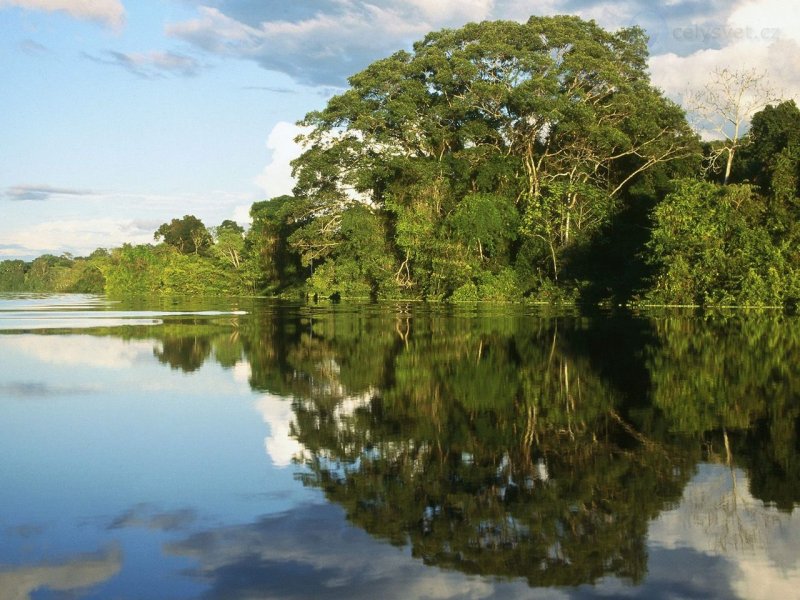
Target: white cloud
x,y
30,229
241,214
759,34
276,178
446,10
78,236
325,47
107,12
767,19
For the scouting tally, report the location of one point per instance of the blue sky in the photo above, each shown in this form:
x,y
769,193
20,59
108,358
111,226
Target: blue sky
x,y
117,116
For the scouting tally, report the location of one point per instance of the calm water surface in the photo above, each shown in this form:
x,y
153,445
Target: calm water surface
x,y
244,449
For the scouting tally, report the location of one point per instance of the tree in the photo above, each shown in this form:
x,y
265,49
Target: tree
x,y
273,262
711,244
554,118
773,152
187,234
229,242
725,105
12,275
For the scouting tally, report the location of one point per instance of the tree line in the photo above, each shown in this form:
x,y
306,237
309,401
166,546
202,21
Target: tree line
x,y
505,162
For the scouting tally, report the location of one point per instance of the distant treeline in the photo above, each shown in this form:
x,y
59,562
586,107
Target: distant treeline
x,y
503,162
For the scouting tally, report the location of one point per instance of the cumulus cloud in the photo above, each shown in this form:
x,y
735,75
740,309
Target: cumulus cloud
x,y
151,65
59,230
322,43
107,12
276,178
241,214
758,34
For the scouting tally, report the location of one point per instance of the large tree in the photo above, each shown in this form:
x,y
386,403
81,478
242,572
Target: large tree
x,y
187,234
535,128
725,105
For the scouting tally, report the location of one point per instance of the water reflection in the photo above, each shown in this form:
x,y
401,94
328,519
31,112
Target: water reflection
x,y
514,448
70,577
645,456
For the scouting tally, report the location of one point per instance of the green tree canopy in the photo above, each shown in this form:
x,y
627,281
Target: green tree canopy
x,y
553,118
187,234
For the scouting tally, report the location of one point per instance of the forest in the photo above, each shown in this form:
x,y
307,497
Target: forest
x,y
505,162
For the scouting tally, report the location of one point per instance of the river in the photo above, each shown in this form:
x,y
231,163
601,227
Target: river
x,y
244,448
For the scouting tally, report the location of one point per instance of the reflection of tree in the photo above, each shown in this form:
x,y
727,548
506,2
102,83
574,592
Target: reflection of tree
x,y
729,515
187,353
732,383
493,449
187,344
326,355
495,444
521,446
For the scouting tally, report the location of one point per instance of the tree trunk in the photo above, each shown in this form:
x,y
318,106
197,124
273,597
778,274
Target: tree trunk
x,y
728,165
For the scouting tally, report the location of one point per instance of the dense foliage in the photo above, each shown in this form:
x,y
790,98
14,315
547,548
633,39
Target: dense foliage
x,y
500,161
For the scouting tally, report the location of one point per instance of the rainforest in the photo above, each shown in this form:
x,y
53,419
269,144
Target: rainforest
x,y
501,161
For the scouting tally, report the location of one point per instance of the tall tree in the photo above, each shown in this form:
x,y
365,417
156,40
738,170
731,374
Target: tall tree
x,y
725,105
773,153
229,242
554,117
187,234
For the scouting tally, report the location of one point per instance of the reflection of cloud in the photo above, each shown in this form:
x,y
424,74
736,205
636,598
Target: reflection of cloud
x,y
35,389
80,350
144,516
74,575
311,552
718,517
242,372
280,444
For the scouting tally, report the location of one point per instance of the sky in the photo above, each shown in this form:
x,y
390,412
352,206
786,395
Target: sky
x,y
117,116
